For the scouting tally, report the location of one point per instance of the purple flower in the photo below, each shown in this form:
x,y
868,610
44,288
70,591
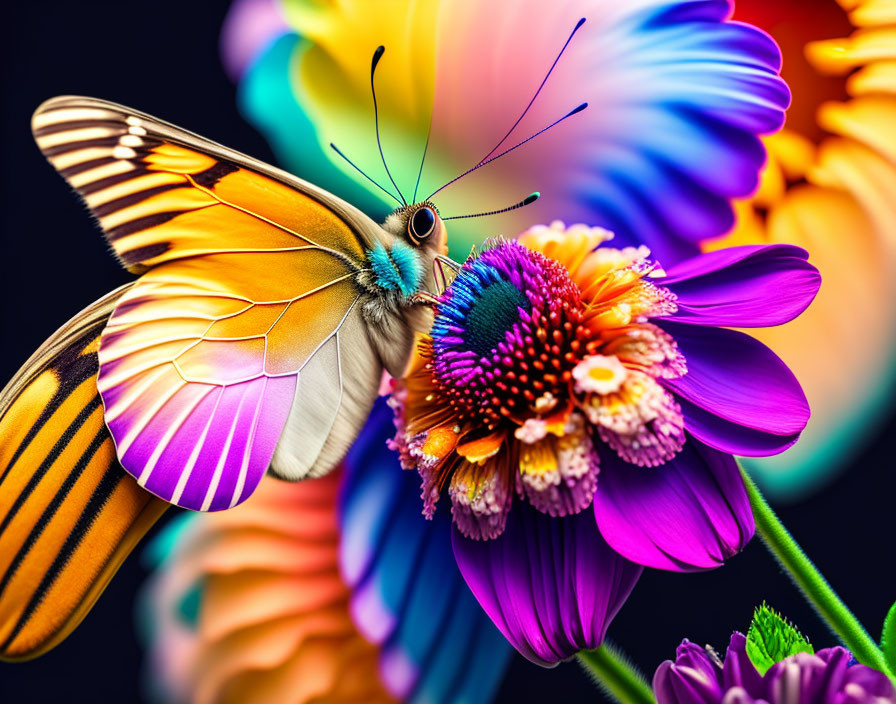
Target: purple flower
x,y
564,376
830,676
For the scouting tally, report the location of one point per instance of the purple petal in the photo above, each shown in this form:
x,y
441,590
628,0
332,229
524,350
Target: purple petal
x,y
689,514
739,670
694,678
662,684
551,585
753,286
734,382
806,677
873,682
732,438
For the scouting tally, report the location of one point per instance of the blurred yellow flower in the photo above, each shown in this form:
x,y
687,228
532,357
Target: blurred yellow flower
x,y
830,186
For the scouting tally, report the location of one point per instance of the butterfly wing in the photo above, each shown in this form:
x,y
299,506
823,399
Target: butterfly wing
x,y
246,319
69,514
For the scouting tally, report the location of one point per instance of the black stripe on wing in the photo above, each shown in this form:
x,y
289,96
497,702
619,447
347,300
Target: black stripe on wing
x,y
47,515
108,484
63,489
71,368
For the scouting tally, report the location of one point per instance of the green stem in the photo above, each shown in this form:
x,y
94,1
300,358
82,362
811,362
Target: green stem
x,y
813,585
618,677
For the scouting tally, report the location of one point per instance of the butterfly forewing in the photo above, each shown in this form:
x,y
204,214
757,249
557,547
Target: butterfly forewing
x,y
137,174
247,303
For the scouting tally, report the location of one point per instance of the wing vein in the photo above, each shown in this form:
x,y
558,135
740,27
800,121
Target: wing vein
x,y
339,255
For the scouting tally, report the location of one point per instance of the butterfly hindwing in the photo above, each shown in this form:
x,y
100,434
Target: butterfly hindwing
x,y
246,319
69,514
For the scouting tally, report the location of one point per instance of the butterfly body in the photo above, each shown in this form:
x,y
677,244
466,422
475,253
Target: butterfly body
x,y
265,313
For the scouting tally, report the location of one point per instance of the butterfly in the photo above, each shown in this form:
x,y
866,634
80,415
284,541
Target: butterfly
x,y
265,313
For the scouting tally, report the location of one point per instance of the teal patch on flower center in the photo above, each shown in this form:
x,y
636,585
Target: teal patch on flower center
x,y
493,313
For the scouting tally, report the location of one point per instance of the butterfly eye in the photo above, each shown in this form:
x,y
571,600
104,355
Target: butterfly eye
x,y
421,224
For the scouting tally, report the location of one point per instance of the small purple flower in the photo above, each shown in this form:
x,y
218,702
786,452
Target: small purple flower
x,y
830,676
581,407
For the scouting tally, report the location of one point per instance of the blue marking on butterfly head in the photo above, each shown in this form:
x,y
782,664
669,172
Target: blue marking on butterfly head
x,y
398,269
407,263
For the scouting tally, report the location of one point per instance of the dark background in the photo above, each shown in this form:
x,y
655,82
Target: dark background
x,y
162,58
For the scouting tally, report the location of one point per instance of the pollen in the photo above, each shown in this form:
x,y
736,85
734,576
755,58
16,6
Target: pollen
x,y
439,442
599,374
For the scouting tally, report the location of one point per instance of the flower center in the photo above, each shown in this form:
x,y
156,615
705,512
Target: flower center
x,y
533,363
492,315
507,336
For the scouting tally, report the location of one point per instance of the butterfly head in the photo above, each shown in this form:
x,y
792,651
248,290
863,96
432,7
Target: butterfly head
x,y
423,223
419,224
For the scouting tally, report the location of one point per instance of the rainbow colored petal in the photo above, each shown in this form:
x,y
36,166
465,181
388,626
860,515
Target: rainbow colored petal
x,y
828,194
672,87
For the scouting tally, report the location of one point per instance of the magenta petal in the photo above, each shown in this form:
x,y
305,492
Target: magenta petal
x,y
752,286
739,380
551,585
688,514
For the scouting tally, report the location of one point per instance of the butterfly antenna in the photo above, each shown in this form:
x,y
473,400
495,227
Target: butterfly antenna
x,y
572,112
358,169
531,198
423,159
377,55
503,139
545,80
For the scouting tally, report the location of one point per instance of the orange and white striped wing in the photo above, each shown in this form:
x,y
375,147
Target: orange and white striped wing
x,y
69,514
